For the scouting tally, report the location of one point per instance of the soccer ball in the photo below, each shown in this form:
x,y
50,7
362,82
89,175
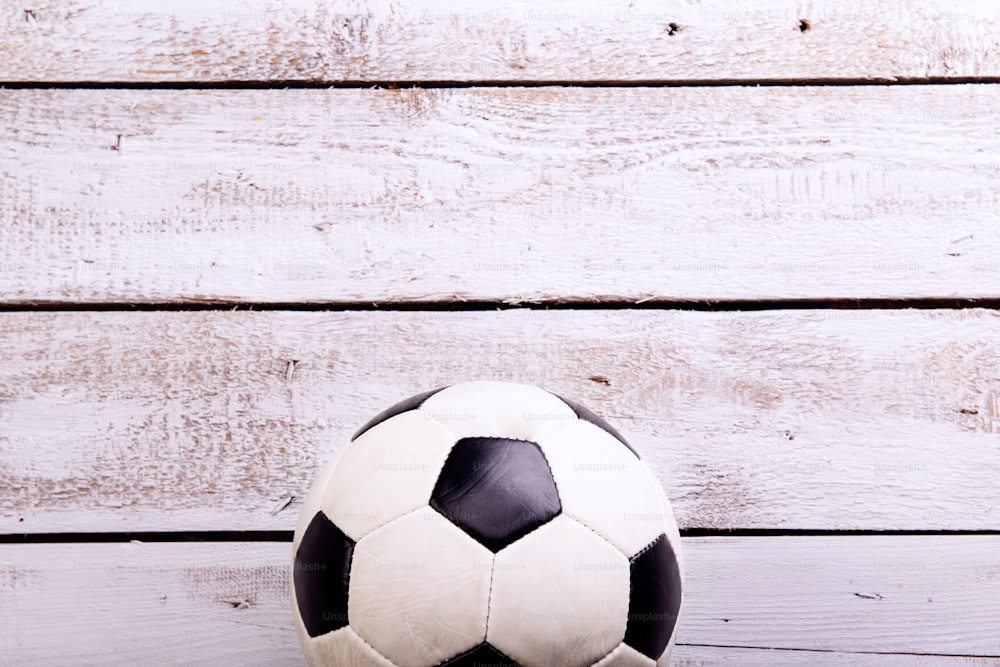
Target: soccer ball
x,y
486,523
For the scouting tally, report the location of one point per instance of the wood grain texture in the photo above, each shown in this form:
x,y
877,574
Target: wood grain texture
x,y
797,419
516,40
881,594
199,603
710,656
546,194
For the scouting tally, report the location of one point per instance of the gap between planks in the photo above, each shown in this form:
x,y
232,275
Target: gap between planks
x,y
495,83
182,305
286,535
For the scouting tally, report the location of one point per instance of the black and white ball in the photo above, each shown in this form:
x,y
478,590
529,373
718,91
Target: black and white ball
x,y
487,523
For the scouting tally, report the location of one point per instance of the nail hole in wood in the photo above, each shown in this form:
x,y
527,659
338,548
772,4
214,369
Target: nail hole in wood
x,y
804,25
673,29
243,603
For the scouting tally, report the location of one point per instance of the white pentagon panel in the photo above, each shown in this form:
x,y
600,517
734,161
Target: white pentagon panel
x,y
420,590
625,656
560,597
669,522
388,471
313,500
603,485
497,409
342,647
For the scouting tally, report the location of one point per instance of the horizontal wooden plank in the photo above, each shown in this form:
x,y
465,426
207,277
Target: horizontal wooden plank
x,y
132,603
516,40
878,594
151,421
541,194
707,656
838,599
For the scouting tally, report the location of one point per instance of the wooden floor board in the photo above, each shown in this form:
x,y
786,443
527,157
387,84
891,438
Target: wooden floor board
x,y
218,41
822,600
869,420
547,194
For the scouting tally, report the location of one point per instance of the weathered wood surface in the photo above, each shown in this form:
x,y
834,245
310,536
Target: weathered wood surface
x,y
819,419
515,194
709,656
199,603
186,421
516,40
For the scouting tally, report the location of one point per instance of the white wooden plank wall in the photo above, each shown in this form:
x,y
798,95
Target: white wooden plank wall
x,y
599,156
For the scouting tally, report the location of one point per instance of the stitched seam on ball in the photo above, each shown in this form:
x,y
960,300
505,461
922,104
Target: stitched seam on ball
x,y
554,430
623,440
395,518
438,422
628,599
599,536
595,532
649,546
489,600
609,653
552,477
372,648
454,441
427,503
562,510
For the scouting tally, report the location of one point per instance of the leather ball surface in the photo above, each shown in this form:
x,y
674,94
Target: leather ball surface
x,y
487,523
